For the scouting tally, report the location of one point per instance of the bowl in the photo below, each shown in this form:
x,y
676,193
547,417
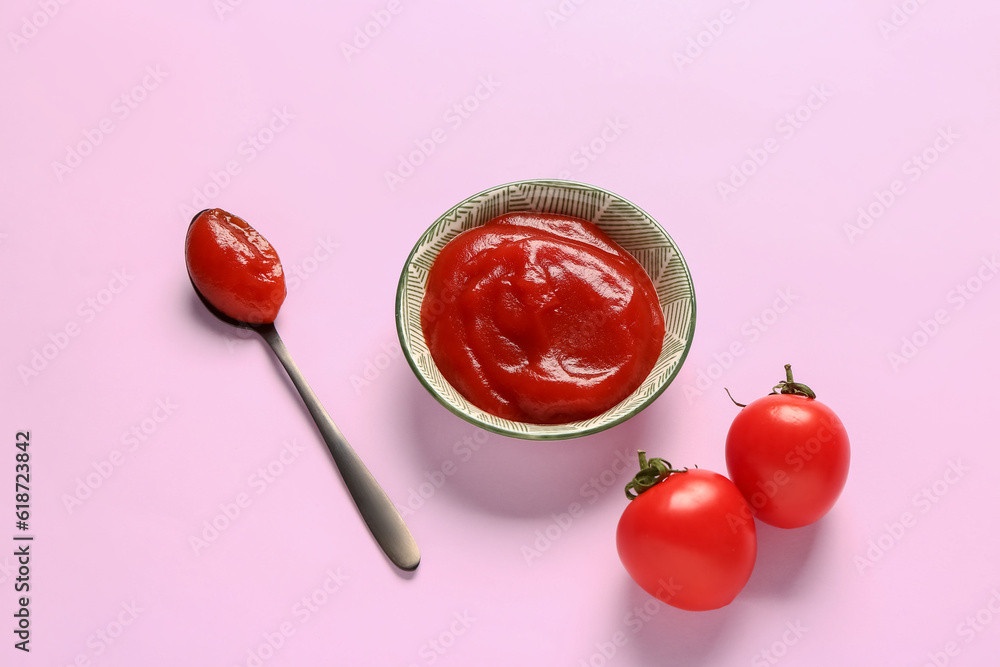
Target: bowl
x,y
623,221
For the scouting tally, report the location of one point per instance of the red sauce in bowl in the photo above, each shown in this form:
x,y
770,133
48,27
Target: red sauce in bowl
x,y
234,267
541,318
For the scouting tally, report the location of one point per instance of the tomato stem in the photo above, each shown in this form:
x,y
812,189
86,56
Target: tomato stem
x,y
742,405
790,386
651,473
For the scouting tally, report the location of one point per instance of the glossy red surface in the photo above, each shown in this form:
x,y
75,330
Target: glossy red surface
x,y
541,318
790,456
234,267
689,541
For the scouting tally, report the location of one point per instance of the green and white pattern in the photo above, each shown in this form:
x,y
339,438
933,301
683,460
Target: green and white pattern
x,y
624,222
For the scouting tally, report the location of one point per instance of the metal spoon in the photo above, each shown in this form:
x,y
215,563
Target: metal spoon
x,y
382,517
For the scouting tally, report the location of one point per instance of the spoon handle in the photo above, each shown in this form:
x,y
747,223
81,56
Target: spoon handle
x,y
379,513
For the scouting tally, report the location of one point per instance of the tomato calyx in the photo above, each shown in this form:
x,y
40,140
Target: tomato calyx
x,y
786,386
651,473
790,386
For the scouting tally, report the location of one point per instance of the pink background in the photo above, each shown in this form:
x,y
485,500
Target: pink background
x,y
134,378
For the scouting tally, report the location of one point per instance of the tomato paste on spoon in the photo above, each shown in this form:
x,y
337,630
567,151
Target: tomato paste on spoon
x,y
234,267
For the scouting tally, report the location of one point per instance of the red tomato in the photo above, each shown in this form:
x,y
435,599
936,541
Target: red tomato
x,y
234,267
685,542
789,454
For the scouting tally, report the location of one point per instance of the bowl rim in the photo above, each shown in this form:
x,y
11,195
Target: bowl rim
x,y
550,432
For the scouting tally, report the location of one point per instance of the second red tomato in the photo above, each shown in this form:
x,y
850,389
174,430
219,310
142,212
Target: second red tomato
x,y
789,454
685,542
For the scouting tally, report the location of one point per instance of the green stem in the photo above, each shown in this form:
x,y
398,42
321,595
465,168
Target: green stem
x,y
651,473
742,405
790,386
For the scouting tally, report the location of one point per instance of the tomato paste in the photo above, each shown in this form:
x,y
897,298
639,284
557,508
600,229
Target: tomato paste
x,y
234,267
541,318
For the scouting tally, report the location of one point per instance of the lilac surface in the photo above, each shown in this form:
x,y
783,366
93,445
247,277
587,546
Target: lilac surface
x,y
755,132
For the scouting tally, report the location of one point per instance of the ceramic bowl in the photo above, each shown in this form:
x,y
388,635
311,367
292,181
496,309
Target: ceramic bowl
x,y
623,221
